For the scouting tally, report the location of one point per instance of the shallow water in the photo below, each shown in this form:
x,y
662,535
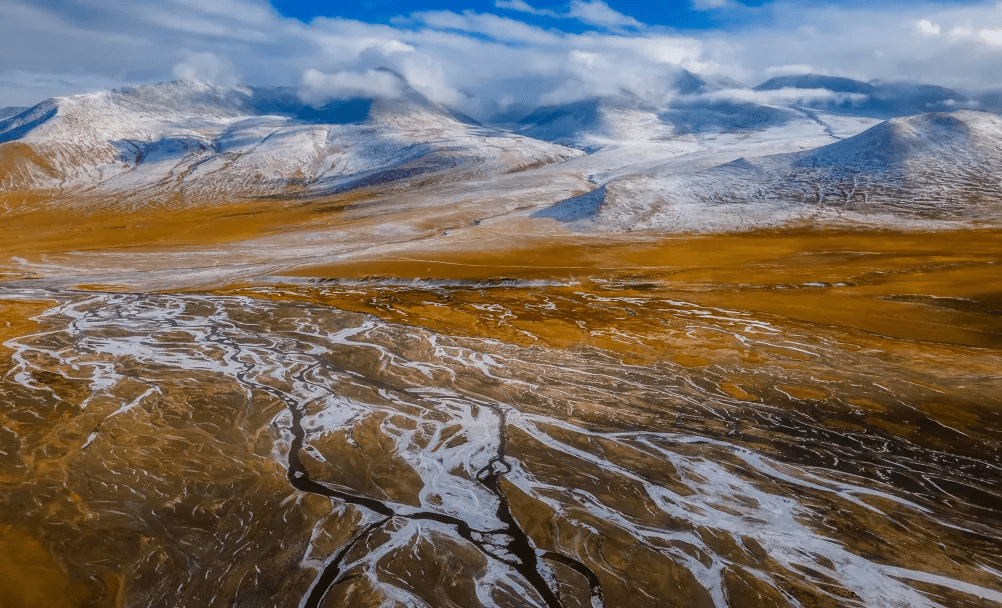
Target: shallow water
x,y
210,450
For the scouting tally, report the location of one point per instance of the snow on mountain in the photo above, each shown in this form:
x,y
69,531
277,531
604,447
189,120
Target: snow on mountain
x,y
616,120
597,123
701,116
937,166
700,110
715,158
200,142
594,123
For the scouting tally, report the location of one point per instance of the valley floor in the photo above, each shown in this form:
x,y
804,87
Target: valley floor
x,y
201,410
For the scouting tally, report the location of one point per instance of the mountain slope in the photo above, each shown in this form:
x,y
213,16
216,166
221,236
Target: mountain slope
x,y
594,123
194,142
938,166
701,108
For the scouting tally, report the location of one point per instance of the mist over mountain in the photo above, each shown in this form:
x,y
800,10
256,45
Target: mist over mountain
x,y
885,100
699,105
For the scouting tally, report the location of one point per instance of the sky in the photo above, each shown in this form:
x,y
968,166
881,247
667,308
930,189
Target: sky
x,y
485,56
677,13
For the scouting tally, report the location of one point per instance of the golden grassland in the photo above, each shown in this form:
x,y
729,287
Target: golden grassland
x,y
36,225
30,575
936,294
17,319
935,286
941,286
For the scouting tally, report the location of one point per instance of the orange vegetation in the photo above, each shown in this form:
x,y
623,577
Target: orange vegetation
x,y
936,286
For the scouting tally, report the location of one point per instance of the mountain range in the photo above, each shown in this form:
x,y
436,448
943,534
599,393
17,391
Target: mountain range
x,y
713,156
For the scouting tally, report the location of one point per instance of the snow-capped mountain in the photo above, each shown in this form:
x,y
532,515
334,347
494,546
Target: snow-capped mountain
x,y
701,116
713,158
937,166
192,141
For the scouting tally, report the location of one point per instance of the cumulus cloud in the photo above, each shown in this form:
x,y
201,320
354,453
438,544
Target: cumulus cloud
x,y
992,37
480,62
588,73
208,68
318,87
924,26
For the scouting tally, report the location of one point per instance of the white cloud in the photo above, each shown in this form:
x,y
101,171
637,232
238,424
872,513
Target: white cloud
x,y
596,12
992,37
591,12
19,88
207,67
791,69
924,26
784,96
318,87
523,7
960,32
498,28
482,61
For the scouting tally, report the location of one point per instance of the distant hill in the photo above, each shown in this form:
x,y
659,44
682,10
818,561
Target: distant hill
x,y
817,81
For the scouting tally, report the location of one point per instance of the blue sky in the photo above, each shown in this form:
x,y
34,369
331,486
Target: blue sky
x,y
482,56
676,13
